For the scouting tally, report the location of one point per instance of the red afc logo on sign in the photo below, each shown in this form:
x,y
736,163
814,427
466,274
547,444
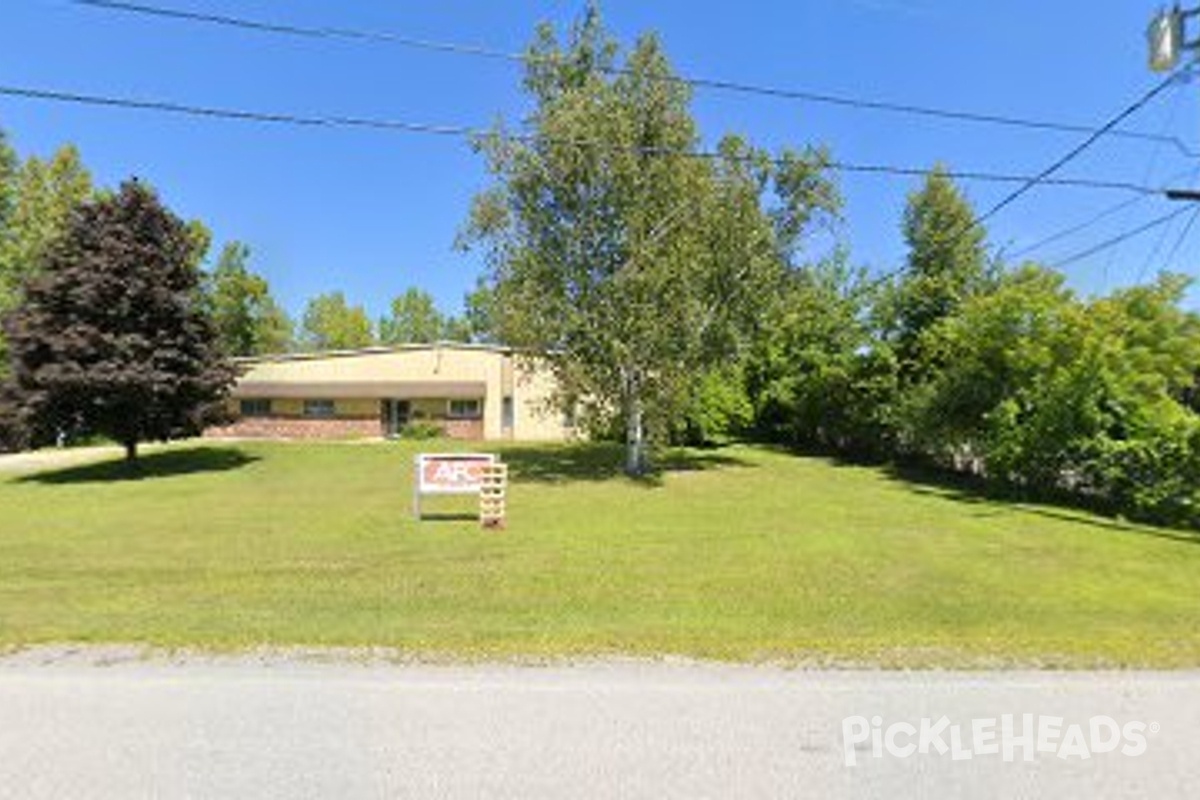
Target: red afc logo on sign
x,y
452,475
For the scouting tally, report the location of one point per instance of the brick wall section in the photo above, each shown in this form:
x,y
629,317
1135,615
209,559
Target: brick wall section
x,y
297,428
471,429
300,428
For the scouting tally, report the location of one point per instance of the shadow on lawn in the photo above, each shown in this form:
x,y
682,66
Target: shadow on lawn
x,y
449,516
168,463
971,490
601,461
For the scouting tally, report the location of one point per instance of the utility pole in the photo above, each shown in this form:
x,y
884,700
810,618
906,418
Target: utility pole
x,y
1167,38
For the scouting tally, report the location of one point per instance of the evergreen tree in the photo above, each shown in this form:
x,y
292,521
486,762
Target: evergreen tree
x,y
947,263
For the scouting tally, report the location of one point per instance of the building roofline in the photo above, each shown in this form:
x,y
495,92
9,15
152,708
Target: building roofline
x,y
374,350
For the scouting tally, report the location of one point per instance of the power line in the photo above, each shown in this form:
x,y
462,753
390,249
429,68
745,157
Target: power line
x,y
1150,166
1089,222
1080,148
1187,229
1074,229
474,133
738,87
1172,194
1116,240
1044,178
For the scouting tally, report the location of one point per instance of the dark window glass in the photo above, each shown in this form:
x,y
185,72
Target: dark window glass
x,y
256,407
319,408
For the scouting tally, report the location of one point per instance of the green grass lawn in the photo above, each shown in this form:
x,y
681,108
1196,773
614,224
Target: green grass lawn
x,y
740,553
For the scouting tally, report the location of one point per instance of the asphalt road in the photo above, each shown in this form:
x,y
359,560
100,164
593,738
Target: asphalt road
x,y
92,725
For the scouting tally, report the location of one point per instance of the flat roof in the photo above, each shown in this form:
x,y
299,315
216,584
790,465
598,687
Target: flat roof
x,y
374,350
369,390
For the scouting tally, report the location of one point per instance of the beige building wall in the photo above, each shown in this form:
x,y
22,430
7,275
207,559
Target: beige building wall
x,y
538,414
425,375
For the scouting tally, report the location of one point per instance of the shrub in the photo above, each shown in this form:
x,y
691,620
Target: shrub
x,y
421,430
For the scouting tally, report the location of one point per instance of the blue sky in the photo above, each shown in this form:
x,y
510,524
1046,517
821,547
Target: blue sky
x,y
373,213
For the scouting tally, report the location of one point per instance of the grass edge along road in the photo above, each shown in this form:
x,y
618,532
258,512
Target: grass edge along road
x,y
741,553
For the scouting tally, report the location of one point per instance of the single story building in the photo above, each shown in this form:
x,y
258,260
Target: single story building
x,y
469,391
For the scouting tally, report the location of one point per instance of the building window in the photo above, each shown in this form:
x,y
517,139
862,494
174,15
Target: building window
x,y
319,408
256,407
464,409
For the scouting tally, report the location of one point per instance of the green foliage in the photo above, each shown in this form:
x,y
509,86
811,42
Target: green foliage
x,y
815,375
420,430
634,269
1046,393
329,323
36,203
414,319
478,323
112,336
719,408
9,166
249,322
45,195
947,263
992,350
1000,373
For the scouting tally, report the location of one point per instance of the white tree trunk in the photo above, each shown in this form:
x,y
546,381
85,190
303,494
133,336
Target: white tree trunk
x,y
635,439
635,424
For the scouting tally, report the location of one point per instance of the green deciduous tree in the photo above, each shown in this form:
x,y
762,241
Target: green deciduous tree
x,y
45,194
330,323
9,165
249,322
719,407
415,318
478,322
1046,393
113,335
627,265
816,376
36,202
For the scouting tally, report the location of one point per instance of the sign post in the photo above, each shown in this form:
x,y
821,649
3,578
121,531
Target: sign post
x,y
492,495
448,473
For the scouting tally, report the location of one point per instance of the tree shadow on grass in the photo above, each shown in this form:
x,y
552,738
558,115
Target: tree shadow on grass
x,y
972,490
164,464
602,461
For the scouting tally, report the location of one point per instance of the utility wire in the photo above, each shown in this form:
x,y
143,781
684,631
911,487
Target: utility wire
x,y
1079,149
1162,239
1074,229
1089,222
1152,163
1045,178
1187,229
1116,240
475,133
737,87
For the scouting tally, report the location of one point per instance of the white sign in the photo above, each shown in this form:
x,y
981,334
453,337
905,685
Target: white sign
x,y
448,473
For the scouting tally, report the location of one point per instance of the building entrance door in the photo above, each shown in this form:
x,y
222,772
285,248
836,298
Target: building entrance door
x,y
393,415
